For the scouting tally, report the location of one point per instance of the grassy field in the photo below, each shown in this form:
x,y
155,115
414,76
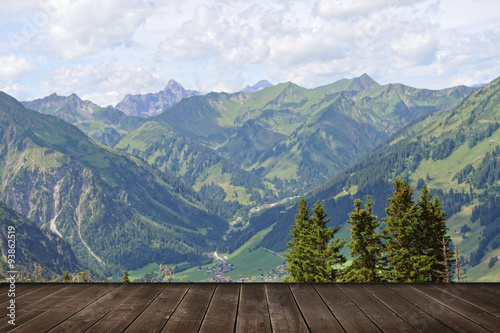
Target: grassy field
x,y
247,260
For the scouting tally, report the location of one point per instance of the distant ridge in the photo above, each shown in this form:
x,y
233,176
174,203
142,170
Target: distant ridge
x,y
364,82
258,86
152,104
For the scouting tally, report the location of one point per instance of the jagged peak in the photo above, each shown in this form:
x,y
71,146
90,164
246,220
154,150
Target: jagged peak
x,y
173,85
262,84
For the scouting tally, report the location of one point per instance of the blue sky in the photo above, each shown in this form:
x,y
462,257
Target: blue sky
x,y
104,49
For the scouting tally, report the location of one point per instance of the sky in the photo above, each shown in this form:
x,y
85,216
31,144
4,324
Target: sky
x,y
104,49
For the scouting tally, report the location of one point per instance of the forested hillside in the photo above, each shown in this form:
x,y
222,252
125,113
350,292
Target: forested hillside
x,y
456,152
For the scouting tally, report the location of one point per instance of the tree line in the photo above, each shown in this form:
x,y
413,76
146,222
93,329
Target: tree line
x,y
412,246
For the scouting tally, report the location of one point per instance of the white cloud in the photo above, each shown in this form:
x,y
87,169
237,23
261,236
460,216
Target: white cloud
x,y
414,50
347,9
105,49
13,66
85,27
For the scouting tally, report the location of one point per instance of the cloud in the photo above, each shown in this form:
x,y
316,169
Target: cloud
x,y
414,49
347,9
86,27
103,83
13,66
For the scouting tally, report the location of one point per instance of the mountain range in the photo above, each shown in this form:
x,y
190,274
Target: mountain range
x,y
152,104
125,189
114,210
455,152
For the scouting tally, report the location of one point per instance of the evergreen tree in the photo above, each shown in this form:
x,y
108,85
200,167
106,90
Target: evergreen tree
x,y
431,235
84,277
404,262
365,245
326,257
65,276
310,256
125,278
299,253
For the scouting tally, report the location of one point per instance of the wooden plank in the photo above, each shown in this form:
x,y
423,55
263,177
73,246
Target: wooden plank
x,y
21,289
33,296
448,317
64,310
347,313
253,313
491,287
477,296
417,318
284,313
221,314
317,315
190,313
477,315
381,315
33,310
159,311
86,317
121,316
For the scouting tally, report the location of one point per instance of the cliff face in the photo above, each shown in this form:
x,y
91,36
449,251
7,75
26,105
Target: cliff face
x,y
152,104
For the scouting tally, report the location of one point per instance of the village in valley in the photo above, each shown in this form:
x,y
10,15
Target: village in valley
x,y
218,273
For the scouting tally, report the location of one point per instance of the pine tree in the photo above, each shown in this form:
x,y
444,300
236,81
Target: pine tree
x,y
65,276
298,254
310,256
365,245
404,262
326,257
432,232
125,278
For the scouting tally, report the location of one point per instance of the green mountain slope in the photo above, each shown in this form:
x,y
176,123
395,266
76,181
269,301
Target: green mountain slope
x,y
33,246
114,210
106,125
456,152
289,136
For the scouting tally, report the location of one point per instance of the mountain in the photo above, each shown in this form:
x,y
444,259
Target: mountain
x,y
364,82
70,109
293,137
455,151
256,87
152,104
33,246
106,125
114,210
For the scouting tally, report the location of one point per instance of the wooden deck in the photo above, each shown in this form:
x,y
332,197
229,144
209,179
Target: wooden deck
x,y
253,307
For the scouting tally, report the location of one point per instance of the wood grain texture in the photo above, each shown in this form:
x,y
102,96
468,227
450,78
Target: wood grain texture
x,y
480,297
442,313
381,315
34,309
191,311
255,307
20,289
417,318
253,312
221,315
130,308
317,315
347,313
66,309
477,315
84,318
154,317
284,312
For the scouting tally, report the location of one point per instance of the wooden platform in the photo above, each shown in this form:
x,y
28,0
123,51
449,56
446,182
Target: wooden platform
x,y
253,307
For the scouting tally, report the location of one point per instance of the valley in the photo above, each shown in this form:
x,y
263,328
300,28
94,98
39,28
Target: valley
x,y
168,178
